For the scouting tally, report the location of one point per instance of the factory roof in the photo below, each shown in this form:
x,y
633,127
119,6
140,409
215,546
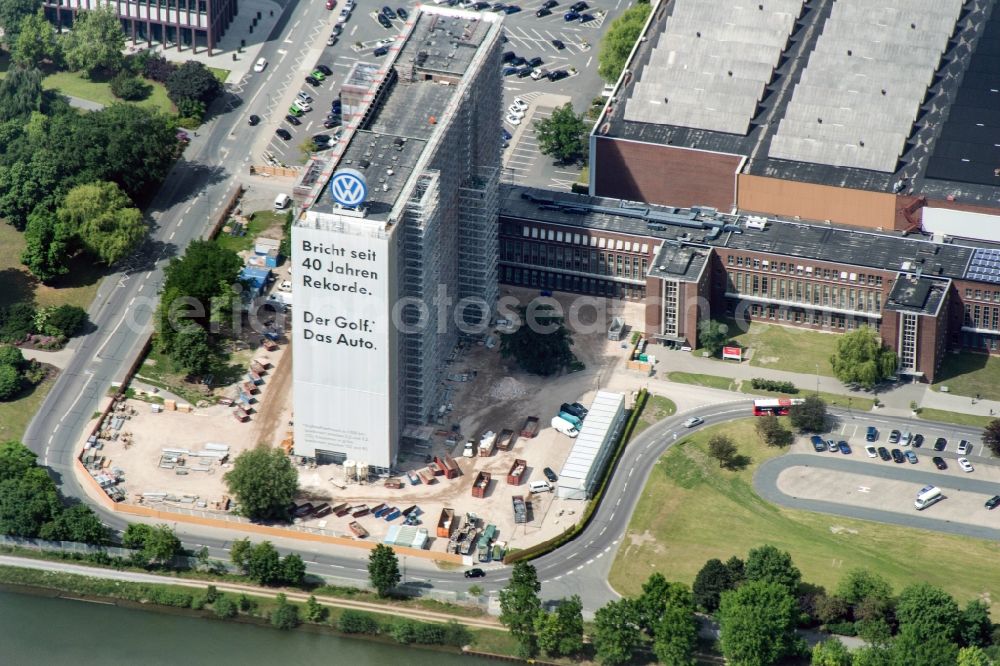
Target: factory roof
x,y
934,132
917,294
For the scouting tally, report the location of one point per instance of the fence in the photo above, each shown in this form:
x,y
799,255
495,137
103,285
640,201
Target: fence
x,y
42,545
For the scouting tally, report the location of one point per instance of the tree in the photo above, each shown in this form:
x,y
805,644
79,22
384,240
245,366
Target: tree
x,y
929,611
616,632
239,553
712,336
871,656
712,580
973,656
975,626
285,616
541,344
831,608
830,652
677,631
315,612
28,502
96,42
193,81
771,431
560,633
29,185
520,605
12,356
20,92
36,41
192,351
264,483
293,569
809,415
203,273
77,523
383,569
912,647
17,321
757,622
657,593
862,358
860,584
66,320
991,436
770,565
721,448
263,564
562,135
619,40
13,13
10,382
15,460
47,245
128,87
225,608
104,220
157,68
156,544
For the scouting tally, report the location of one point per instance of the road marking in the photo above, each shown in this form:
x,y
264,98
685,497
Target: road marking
x,y
90,376
171,237
588,61
630,471
603,530
569,557
864,489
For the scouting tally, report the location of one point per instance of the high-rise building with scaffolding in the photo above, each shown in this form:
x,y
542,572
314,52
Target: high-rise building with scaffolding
x,y
395,252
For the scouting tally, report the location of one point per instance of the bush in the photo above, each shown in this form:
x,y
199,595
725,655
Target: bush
x,y
10,382
128,87
199,602
167,597
65,320
285,616
247,605
773,385
456,634
404,631
357,622
157,68
225,608
17,322
842,628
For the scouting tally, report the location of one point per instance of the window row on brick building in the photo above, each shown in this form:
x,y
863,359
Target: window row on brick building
x,y
788,267
808,292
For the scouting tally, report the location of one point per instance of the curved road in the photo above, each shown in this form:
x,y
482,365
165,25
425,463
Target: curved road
x,y
765,482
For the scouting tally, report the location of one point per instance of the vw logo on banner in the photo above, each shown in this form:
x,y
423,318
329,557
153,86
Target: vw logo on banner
x,y
348,187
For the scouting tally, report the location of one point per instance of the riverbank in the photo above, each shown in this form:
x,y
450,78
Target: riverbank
x,y
256,605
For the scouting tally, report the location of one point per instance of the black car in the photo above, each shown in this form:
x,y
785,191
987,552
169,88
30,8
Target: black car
x,y
542,12
337,29
550,475
578,6
388,13
517,61
508,56
897,456
253,120
534,62
557,74
283,133
380,51
326,70
939,462
558,43
581,408
511,9
918,440
524,71
480,6
498,6
883,453
475,573
322,138
575,409
385,23
330,123
993,502
292,120
313,81
402,13
335,106
586,18
940,444
549,4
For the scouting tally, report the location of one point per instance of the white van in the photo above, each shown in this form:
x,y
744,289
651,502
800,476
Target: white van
x,y
540,487
282,201
928,495
564,426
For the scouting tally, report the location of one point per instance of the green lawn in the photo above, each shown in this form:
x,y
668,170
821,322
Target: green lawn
x,y
969,374
72,83
15,415
711,381
78,287
691,511
221,74
957,418
784,347
259,221
657,408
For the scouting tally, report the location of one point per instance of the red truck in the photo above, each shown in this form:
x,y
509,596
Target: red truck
x,y
516,472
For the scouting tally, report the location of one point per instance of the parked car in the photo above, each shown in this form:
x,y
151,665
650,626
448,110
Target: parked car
x,y
871,435
831,446
322,138
512,120
498,6
507,136
894,437
534,62
818,444
993,502
260,65
388,13
331,40
550,475
586,18
579,6
330,4
518,61
295,111
292,120
844,447
897,456
318,74
558,43
344,14
557,74
507,71
511,9
380,51
253,120
508,56
313,81
939,462
524,71
918,440
480,6
965,465
514,111
330,123
283,133
475,573
911,457
883,453
304,96
549,4
693,421
940,444
570,16
964,448
542,12
337,29
326,71
870,450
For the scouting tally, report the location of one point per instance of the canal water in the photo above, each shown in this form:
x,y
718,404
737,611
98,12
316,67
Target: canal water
x,y
53,631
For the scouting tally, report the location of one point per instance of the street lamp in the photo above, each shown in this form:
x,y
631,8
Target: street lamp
x,y
817,379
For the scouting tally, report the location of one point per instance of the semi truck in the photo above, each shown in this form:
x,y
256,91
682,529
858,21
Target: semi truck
x,y
565,427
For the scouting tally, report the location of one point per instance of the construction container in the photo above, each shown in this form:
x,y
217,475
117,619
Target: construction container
x,y
520,509
358,511
446,523
487,443
447,466
393,483
321,510
505,442
481,485
530,427
341,510
392,514
380,510
358,530
413,508
516,472
413,477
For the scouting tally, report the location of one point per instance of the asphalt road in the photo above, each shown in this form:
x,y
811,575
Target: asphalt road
x,y
766,479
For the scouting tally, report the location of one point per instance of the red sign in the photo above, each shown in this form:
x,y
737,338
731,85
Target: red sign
x,y
734,353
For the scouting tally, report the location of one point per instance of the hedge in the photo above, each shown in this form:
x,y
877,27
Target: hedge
x,y
571,532
773,385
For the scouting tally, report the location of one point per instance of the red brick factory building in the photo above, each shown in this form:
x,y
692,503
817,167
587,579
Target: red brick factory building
x,y
822,164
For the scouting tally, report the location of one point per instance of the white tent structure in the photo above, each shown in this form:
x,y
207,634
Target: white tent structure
x,y
592,447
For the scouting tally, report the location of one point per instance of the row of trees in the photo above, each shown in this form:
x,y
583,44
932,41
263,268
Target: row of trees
x,y
262,563
619,40
558,633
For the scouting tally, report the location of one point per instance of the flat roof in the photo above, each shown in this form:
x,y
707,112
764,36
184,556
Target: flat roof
x,y
676,261
936,159
917,294
589,444
407,105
